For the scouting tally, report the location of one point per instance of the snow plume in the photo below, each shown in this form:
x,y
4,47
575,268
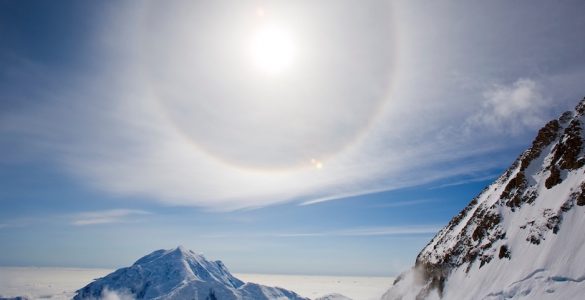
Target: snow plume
x,y
116,295
511,109
411,283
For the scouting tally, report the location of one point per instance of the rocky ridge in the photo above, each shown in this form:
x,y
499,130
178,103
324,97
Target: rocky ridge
x,y
539,200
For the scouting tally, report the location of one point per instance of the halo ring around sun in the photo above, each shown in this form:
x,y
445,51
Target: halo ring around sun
x,y
179,110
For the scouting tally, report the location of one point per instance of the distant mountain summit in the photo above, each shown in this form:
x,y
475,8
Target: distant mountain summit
x,y
334,296
522,237
178,274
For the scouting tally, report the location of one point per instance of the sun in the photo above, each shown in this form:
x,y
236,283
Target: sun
x,y
272,49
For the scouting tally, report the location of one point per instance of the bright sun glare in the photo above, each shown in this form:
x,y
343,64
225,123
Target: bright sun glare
x,y
272,49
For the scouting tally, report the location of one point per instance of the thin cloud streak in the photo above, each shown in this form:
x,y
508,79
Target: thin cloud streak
x,y
374,231
106,216
465,181
350,232
405,203
17,223
419,177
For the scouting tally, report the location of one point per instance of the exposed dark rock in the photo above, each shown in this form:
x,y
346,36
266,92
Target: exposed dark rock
x,y
534,239
580,109
566,153
484,259
554,178
554,223
581,200
504,252
516,183
566,117
530,196
567,205
515,191
435,275
487,222
550,220
545,137
581,196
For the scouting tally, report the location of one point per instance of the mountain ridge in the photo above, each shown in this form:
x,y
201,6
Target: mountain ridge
x,y
524,217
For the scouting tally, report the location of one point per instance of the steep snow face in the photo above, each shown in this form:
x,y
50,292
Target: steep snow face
x,y
521,236
178,274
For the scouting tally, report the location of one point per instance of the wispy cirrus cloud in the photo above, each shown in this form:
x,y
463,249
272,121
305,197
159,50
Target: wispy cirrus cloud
x,y
175,116
405,203
427,169
17,223
347,232
466,180
368,231
107,216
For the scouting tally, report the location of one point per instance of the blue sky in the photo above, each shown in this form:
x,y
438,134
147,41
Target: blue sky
x,y
327,137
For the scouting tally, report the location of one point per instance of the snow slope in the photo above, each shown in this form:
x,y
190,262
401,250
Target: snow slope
x,y
315,287
178,274
333,296
519,238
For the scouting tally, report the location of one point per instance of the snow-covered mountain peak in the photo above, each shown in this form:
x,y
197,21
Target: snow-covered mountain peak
x,y
179,274
521,225
179,253
189,265
333,296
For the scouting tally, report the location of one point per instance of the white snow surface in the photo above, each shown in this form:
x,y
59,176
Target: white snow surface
x,y
546,261
334,296
313,286
179,274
